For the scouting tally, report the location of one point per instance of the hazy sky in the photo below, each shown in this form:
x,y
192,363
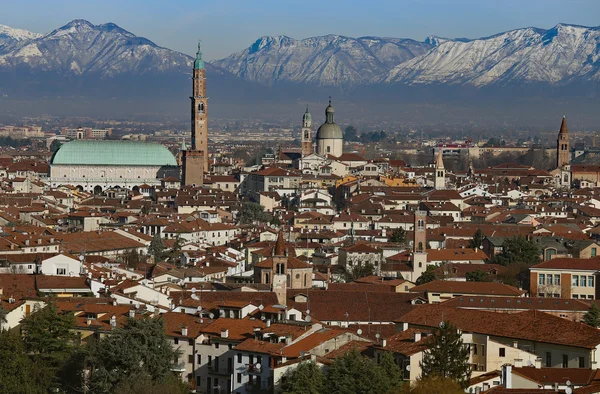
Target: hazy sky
x,y
227,26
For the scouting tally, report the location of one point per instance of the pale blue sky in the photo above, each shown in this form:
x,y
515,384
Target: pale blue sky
x,y
227,26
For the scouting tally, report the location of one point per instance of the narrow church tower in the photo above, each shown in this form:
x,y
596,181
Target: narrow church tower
x,y
194,161
199,108
279,282
563,150
419,254
439,182
307,147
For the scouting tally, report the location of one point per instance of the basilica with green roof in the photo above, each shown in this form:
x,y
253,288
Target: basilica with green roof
x,y
96,165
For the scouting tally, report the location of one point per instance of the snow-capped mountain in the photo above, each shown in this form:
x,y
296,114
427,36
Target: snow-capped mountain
x,y
8,35
558,56
83,48
327,60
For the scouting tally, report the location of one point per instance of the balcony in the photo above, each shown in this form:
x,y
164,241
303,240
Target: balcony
x,y
254,368
215,370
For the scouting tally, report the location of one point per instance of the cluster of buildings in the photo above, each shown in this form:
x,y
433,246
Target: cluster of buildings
x,y
332,263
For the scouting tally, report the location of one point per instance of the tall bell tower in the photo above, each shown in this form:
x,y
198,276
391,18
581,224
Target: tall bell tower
x,y
195,160
307,145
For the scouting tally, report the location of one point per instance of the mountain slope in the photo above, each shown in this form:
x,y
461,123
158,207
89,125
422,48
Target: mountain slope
x,y
83,48
8,35
562,55
326,61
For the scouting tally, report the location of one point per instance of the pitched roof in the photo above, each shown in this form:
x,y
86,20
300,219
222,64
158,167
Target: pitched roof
x,y
529,325
591,264
450,286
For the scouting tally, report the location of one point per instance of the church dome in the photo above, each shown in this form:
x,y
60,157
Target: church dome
x,y
329,129
108,152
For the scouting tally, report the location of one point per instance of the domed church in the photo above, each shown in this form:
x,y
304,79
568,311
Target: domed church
x,y
330,139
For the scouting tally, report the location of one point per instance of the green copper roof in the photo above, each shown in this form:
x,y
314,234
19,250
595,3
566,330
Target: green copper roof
x,y
198,63
105,152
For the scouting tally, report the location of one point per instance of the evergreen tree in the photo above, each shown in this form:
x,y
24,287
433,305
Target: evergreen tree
x,y
3,316
55,145
139,350
518,250
16,367
432,385
477,276
391,370
252,212
306,378
427,276
49,339
157,247
398,235
477,240
446,356
354,373
592,317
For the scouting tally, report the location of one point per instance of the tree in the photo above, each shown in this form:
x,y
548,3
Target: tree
x,y
477,276
518,250
446,356
350,134
49,339
3,316
306,378
16,367
137,351
477,240
131,258
359,270
592,317
427,276
157,248
398,235
55,145
432,385
252,212
355,373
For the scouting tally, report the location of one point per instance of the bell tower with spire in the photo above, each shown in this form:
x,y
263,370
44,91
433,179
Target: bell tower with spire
x,y
307,147
195,160
563,149
439,182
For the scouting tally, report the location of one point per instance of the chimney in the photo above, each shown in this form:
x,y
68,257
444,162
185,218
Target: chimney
x,y
225,333
404,326
383,342
184,331
268,323
417,336
132,313
518,363
507,376
516,344
538,362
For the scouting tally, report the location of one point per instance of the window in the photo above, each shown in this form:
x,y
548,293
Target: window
x,y
251,358
581,362
575,280
548,359
216,345
199,359
190,358
549,280
590,281
541,279
61,271
565,361
502,352
239,356
191,342
474,346
593,252
176,341
582,281
557,280
239,378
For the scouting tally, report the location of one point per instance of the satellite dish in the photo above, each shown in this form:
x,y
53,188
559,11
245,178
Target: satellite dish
x,y
193,290
568,390
359,332
211,315
307,319
257,366
441,324
263,318
308,311
568,382
529,363
136,305
261,307
378,335
81,257
408,368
